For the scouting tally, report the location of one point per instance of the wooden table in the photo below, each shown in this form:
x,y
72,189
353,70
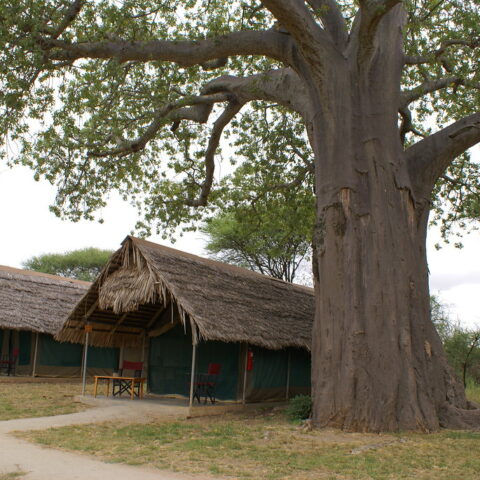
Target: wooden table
x,y
129,383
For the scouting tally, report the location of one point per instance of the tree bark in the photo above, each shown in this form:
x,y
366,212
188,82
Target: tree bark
x,y
379,364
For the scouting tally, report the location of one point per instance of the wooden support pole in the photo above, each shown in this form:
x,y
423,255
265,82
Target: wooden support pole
x,y
146,361
120,358
287,389
143,347
35,353
85,357
192,374
245,373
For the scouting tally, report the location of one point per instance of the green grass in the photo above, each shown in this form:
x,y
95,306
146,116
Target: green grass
x,y
473,392
24,400
252,447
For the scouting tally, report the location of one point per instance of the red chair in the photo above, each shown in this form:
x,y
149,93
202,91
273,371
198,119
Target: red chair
x,y
206,383
5,363
8,362
124,386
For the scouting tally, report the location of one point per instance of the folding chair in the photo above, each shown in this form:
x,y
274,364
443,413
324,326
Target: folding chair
x,y
206,383
8,362
5,363
121,385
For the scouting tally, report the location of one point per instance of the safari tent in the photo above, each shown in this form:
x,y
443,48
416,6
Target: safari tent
x,y
185,312
33,307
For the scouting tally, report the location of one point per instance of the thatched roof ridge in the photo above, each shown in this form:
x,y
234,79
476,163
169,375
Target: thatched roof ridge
x,y
233,269
221,301
36,301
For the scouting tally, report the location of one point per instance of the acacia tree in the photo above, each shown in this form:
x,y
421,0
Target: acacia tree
x,y
272,237
83,264
361,77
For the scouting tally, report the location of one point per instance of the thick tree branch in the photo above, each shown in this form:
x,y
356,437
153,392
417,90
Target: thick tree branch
x,y
282,86
223,120
184,53
332,20
311,39
428,159
368,18
429,86
172,111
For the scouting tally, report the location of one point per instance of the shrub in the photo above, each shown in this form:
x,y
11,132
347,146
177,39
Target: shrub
x,y
299,408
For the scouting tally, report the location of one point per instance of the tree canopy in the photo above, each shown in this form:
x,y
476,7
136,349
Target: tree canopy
x,y
84,264
135,95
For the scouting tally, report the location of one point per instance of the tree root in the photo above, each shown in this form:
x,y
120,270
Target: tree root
x,y
459,418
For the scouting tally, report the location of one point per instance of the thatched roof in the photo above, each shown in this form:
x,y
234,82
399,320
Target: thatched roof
x,y
36,301
218,301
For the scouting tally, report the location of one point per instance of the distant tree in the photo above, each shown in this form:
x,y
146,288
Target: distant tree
x,y
252,237
84,264
441,318
462,345
463,351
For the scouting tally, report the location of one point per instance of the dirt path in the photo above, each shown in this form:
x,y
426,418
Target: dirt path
x,y
42,463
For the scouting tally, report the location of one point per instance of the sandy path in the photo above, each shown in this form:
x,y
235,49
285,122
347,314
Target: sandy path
x,y
42,463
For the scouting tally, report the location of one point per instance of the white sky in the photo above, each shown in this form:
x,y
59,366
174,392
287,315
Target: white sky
x,y
28,228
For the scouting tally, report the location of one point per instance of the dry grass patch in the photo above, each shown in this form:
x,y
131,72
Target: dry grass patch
x,y
266,446
473,392
12,475
34,399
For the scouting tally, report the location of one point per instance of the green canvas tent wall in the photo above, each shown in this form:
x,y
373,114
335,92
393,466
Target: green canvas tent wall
x,y
273,374
33,307
171,304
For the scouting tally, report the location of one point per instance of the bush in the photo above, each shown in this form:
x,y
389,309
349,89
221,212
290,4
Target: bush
x,y
299,408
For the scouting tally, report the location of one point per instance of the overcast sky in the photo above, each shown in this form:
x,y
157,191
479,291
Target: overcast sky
x,y
28,228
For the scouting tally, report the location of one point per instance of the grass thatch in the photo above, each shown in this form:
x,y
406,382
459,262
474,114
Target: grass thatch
x,y
35,301
220,301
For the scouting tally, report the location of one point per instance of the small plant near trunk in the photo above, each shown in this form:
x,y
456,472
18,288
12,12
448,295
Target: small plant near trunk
x,y
299,408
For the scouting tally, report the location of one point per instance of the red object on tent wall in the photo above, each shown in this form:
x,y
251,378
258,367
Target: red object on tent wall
x,y
249,361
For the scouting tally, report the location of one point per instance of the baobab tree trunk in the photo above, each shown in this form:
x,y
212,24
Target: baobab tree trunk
x,y
379,363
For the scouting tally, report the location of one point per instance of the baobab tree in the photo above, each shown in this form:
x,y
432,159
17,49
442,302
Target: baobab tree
x,y
105,95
